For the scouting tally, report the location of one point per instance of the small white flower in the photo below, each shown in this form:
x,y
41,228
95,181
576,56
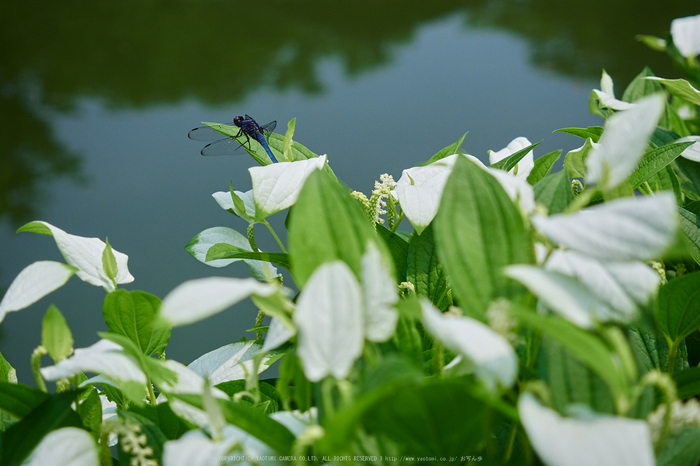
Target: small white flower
x,y
606,94
686,35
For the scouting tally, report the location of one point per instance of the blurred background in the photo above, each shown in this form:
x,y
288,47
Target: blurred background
x,y
96,100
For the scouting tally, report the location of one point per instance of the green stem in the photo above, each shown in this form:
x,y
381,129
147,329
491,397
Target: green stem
x,y
269,227
439,358
672,353
512,433
151,393
398,222
36,366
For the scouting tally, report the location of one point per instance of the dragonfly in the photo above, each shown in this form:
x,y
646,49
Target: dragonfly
x,y
227,145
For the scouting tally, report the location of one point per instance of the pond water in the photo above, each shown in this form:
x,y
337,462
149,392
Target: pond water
x,y
97,101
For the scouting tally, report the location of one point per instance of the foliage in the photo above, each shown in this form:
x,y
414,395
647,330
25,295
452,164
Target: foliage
x,y
528,317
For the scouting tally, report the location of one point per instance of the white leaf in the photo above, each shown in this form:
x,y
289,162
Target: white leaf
x,y
561,294
329,319
420,188
686,35
623,285
200,244
589,439
692,152
606,94
277,186
517,188
277,335
33,283
380,296
489,354
223,198
68,446
194,448
198,299
85,254
623,142
524,167
621,230
226,363
104,357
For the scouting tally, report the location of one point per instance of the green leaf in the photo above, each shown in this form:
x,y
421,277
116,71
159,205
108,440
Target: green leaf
x,y
287,141
570,381
641,87
251,420
543,165
424,270
327,224
690,228
592,132
554,191
512,160
398,248
687,382
655,160
653,42
109,262
133,315
228,251
7,372
56,337
251,146
446,152
35,227
408,339
479,230
680,88
585,346
677,307
575,160
269,399
19,400
651,351
681,449
689,176
21,438
292,385
90,412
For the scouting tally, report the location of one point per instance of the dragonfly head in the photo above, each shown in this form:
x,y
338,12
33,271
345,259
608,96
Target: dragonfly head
x,y
238,121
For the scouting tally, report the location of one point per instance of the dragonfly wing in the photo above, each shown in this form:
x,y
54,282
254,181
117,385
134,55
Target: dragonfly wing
x,y
270,127
204,133
226,146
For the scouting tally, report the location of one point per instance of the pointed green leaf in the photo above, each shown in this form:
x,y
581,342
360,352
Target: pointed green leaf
x,y
479,230
228,251
641,87
424,270
19,400
592,132
56,337
398,248
680,88
7,372
554,191
287,142
90,411
511,161
690,226
109,262
446,152
655,160
543,165
327,224
133,315
677,306
575,160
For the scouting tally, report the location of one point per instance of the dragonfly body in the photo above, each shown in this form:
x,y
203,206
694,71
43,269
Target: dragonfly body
x,y
248,128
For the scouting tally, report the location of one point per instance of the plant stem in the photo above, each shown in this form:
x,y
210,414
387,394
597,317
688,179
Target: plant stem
x,y
398,222
672,352
269,227
151,393
36,366
512,433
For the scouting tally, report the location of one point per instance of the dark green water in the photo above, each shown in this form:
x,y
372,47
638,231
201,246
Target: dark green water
x,y
96,102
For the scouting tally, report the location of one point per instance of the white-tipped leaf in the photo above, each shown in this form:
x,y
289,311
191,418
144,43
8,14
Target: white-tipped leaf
x,y
198,299
200,244
517,188
277,334
686,35
277,186
589,439
228,362
624,142
33,283
692,152
489,354
526,164
606,94
225,201
623,285
562,294
380,296
68,446
329,319
104,357
621,230
85,254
